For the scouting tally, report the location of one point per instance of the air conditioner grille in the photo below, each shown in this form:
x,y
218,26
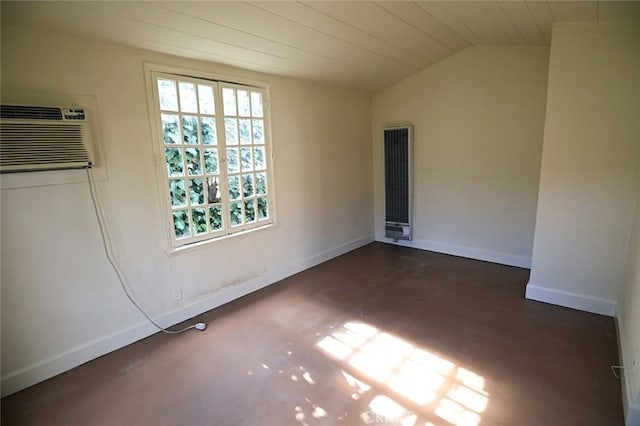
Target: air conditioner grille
x,y
41,144
25,112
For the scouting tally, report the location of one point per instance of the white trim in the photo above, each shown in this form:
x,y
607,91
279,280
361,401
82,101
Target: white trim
x,y
462,251
630,408
207,75
632,416
567,299
40,371
201,244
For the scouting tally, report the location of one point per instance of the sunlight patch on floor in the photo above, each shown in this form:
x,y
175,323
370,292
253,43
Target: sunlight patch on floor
x,y
438,386
317,412
384,410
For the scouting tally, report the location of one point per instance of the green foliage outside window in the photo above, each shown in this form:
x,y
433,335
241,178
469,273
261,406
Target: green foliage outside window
x,y
178,193
193,159
236,214
215,217
199,220
190,130
249,211
181,223
262,208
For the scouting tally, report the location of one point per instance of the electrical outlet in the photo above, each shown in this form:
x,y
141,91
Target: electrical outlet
x,y
176,294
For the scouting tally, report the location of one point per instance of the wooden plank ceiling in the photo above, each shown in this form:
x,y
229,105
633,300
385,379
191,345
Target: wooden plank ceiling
x,y
367,45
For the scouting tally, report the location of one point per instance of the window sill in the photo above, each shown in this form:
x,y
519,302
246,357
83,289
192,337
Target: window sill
x,y
176,251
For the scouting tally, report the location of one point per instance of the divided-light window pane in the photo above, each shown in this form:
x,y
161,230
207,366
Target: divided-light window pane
x,y
205,97
244,123
256,104
243,103
217,168
229,99
188,101
168,96
208,129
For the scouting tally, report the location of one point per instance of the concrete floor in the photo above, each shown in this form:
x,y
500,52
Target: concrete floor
x,y
382,335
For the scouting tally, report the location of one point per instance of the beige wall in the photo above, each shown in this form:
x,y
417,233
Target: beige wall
x,y
628,315
61,304
478,118
590,161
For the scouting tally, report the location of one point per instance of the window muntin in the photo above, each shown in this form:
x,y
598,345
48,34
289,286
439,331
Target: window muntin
x,y
216,151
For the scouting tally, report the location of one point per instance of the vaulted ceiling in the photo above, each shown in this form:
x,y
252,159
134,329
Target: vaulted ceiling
x,y
362,44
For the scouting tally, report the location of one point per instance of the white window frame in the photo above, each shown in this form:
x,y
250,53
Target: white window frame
x,y
152,73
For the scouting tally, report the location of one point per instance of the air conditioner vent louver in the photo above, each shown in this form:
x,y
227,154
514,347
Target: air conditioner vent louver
x,y
25,112
36,138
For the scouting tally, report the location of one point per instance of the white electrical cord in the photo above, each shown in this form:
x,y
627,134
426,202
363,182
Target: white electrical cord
x,y
618,368
107,249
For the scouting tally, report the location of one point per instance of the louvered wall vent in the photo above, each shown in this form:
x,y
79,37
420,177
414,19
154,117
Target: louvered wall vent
x,y
35,138
397,182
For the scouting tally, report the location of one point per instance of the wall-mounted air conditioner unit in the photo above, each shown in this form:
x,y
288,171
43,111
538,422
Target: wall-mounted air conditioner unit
x,y
35,138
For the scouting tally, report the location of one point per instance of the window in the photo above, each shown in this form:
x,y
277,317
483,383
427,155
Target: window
x,y
213,140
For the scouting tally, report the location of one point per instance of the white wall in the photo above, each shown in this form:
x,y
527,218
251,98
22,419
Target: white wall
x,y
628,318
478,118
590,161
61,304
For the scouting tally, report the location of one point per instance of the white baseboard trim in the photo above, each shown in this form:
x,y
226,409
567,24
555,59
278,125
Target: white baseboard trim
x,y
462,251
632,415
229,294
630,409
43,370
567,299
